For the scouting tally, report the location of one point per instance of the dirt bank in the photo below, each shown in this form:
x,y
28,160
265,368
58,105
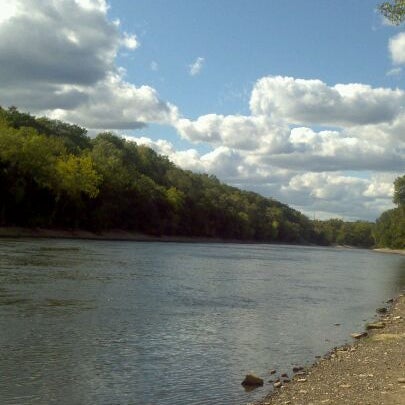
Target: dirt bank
x,y
371,371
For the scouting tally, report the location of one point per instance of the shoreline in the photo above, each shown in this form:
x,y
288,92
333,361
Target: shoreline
x,y
370,370
111,235
390,251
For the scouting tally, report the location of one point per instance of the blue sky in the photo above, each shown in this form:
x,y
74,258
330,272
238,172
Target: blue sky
x,y
298,100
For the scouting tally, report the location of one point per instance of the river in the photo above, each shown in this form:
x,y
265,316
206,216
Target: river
x,y
100,322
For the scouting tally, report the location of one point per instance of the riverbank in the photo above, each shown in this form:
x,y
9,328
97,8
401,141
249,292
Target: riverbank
x,y
371,371
112,235
392,251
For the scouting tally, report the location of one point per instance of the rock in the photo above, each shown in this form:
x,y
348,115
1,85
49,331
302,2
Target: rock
x,y
401,380
302,380
382,310
296,369
359,335
272,371
286,380
252,380
375,325
277,384
300,373
284,375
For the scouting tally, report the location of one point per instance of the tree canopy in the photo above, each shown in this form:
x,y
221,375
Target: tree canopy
x,y
53,175
393,11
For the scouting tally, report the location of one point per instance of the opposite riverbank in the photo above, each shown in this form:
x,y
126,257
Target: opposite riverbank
x,y
371,371
112,235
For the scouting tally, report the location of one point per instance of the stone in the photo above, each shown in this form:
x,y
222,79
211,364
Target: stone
x,y
382,310
272,371
359,335
277,384
252,380
284,375
401,380
296,369
302,380
375,325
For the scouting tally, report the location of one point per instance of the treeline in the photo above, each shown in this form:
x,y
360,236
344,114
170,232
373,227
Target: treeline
x,y
53,175
390,226
338,232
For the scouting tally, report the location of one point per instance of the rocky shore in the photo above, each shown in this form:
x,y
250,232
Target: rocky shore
x,y
371,371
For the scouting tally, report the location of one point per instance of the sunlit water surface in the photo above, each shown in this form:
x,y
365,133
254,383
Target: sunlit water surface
x,y
91,322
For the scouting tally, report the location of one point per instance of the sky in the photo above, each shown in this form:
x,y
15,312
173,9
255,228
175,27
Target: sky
x,y
301,101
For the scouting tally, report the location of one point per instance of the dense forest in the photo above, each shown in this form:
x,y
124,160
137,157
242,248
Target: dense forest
x,y
53,175
390,226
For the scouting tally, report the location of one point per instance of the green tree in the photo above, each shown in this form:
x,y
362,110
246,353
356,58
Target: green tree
x,y
393,11
399,191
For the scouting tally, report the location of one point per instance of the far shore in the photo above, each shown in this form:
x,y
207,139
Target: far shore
x,y
123,235
392,251
112,235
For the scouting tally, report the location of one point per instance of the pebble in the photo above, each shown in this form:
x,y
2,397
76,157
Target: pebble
x,y
277,384
297,368
401,380
302,380
358,335
376,325
272,371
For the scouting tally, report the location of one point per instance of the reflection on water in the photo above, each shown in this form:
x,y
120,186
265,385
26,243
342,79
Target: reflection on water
x,y
90,322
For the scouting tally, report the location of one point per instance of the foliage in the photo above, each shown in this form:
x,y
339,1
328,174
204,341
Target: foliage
x,y
336,231
393,11
390,229
390,226
52,174
399,191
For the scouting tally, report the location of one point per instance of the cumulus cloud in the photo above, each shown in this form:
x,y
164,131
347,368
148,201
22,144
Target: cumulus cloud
x,y
196,67
300,101
396,48
275,149
72,73
235,131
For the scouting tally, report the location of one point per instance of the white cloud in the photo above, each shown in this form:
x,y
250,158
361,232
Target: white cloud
x,y
394,72
331,171
396,47
154,66
300,101
129,41
196,67
114,103
68,68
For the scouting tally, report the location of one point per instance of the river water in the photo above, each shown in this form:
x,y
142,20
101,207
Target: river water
x,y
97,322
